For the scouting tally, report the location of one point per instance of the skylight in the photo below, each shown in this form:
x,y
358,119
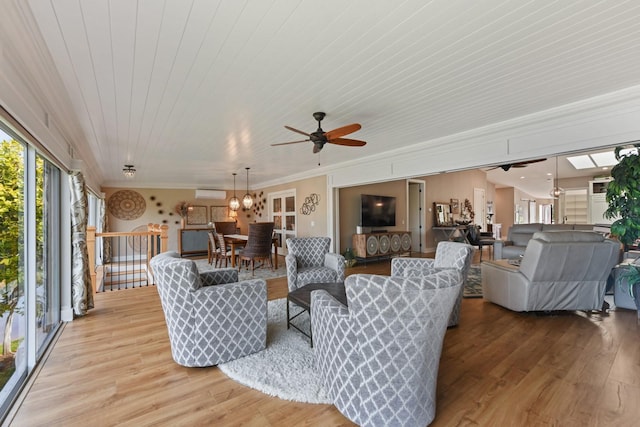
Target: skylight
x,y
604,159
581,162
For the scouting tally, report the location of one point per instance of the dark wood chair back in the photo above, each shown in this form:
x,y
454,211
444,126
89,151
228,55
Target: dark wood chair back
x,y
258,245
225,227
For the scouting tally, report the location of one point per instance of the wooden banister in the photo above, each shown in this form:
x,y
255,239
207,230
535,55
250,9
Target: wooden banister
x,y
155,233
91,248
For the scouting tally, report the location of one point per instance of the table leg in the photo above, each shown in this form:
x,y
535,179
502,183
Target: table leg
x,y
233,254
275,254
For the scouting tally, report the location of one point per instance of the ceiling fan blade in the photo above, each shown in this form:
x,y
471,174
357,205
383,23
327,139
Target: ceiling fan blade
x,y
296,130
347,142
344,130
292,142
527,162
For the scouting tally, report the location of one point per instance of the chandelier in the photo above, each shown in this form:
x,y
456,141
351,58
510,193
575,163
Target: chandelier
x,y
234,203
128,171
247,200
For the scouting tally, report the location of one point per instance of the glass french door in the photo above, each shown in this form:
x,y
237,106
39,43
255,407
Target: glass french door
x,y
282,206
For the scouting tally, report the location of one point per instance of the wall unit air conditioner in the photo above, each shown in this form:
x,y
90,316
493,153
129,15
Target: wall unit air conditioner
x,y
211,194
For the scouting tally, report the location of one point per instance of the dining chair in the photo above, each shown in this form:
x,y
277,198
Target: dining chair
x,y
258,247
225,252
225,227
214,251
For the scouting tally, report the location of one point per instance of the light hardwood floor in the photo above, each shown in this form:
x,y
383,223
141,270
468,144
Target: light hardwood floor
x,y
498,368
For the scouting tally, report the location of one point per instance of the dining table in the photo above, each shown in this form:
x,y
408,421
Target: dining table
x,y
237,240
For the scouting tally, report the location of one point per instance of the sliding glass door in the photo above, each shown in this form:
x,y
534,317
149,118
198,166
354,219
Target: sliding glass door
x,y
30,247
13,366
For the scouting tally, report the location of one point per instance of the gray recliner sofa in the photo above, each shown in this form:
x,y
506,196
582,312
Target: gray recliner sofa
x,y
520,234
561,270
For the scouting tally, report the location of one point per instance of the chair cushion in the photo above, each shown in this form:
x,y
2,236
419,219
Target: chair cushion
x,y
316,275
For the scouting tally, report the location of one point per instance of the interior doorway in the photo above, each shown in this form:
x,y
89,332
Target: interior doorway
x,y
415,210
282,211
480,208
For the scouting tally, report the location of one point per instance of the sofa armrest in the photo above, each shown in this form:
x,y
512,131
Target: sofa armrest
x,y
337,263
292,271
334,342
219,276
497,248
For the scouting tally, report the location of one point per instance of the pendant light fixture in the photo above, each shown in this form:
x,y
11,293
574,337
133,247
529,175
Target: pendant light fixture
x,y
247,200
556,191
234,203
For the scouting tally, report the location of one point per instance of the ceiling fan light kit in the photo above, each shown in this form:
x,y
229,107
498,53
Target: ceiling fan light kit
x,y
128,171
319,138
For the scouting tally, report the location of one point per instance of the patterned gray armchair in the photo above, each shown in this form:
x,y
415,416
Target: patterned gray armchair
x,y
379,356
309,261
211,317
448,255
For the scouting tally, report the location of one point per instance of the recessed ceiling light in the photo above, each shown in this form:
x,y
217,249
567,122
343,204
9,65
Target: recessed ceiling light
x,y
581,162
549,174
522,177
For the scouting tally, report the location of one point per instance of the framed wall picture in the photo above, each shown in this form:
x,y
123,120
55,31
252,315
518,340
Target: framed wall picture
x,y
455,206
443,214
219,213
197,215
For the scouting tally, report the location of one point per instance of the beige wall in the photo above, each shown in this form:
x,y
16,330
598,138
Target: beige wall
x,y
161,210
349,210
504,208
438,188
314,224
447,186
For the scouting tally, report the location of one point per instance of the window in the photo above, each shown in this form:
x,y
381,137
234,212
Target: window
x,y
30,261
12,266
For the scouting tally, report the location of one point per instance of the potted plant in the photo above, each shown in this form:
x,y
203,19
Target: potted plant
x,y
349,257
623,197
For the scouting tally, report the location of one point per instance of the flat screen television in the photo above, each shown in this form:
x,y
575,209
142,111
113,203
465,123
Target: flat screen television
x,y
377,211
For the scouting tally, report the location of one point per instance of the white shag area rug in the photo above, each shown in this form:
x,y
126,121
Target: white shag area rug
x,y
285,369
245,274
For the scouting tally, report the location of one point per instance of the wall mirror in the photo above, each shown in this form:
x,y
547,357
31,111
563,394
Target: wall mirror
x,y
443,214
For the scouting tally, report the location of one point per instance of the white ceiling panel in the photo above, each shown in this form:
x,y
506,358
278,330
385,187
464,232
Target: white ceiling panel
x,y
191,91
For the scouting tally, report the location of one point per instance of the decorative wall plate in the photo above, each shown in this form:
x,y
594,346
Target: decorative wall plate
x,y
127,204
138,243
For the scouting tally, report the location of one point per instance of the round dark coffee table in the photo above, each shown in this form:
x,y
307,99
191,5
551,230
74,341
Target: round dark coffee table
x,y
302,298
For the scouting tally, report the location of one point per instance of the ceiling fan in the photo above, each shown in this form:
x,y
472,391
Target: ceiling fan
x,y
320,137
523,164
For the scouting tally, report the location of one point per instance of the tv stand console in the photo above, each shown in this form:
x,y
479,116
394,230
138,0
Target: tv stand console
x,y
380,244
